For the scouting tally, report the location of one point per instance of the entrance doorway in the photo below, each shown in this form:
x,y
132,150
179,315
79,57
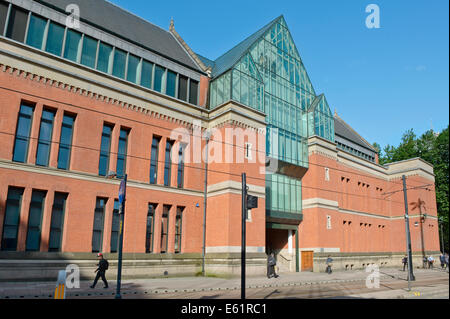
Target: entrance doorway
x,y
307,260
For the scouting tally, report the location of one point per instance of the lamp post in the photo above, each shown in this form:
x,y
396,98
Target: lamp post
x,y
408,237
122,196
441,223
207,136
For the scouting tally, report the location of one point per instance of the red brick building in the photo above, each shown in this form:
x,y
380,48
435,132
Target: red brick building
x,y
82,101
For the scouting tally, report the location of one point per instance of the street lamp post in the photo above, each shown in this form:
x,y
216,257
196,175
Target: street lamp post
x,y
408,236
122,196
441,223
205,199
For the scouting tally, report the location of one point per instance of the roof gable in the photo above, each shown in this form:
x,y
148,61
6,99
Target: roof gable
x,y
344,130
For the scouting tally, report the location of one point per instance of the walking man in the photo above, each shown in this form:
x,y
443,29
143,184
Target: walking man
x,y
101,270
329,263
271,262
442,260
405,262
425,262
430,262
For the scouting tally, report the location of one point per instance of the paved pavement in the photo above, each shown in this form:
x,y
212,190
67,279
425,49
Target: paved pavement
x,y
182,287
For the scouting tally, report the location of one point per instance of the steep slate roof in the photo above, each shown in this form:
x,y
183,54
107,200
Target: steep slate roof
x,y
344,130
230,58
113,19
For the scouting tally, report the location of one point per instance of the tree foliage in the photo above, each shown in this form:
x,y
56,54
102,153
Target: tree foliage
x,y
433,148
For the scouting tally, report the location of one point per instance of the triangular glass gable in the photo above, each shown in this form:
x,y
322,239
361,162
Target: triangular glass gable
x,y
321,120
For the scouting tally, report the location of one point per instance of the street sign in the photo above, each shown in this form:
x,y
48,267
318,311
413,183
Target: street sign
x,y
60,291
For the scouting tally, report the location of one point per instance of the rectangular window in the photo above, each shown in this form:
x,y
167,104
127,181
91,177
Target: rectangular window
x,y
178,228
55,38
57,223
168,163
104,150
180,171
3,13
97,231
65,143
45,138
159,74
122,153
23,133
35,220
193,92
164,228
154,160
12,218
133,65
120,60
115,227
36,30
104,57
89,52
171,83
182,87
150,228
327,174
72,47
146,74
17,23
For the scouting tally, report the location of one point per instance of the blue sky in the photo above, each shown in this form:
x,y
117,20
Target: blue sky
x,y
381,81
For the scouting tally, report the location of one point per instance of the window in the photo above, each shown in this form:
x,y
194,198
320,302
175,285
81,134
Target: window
x,y
164,228
154,160
89,52
57,223
193,92
22,133
146,74
55,38
36,30
35,220
120,59
17,23
122,153
180,171
171,83
45,138
73,43
159,74
97,231
115,226
150,228
65,142
168,163
3,14
327,174
178,229
133,65
104,57
12,218
104,150
182,87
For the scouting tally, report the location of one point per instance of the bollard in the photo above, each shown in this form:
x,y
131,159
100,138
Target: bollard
x,y
60,291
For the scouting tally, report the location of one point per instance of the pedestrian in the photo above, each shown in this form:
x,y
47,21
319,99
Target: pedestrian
x,y
271,262
425,262
329,263
430,262
446,261
405,262
442,260
101,270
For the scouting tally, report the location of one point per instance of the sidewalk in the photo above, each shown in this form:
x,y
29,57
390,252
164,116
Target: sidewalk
x,y
198,284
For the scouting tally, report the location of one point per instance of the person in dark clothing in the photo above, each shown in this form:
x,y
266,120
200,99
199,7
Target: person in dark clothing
x,y
442,259
425,262
329,263
271,262
101,270
405,262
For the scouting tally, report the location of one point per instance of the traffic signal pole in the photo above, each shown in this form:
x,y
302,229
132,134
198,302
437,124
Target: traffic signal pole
x,y
244,215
